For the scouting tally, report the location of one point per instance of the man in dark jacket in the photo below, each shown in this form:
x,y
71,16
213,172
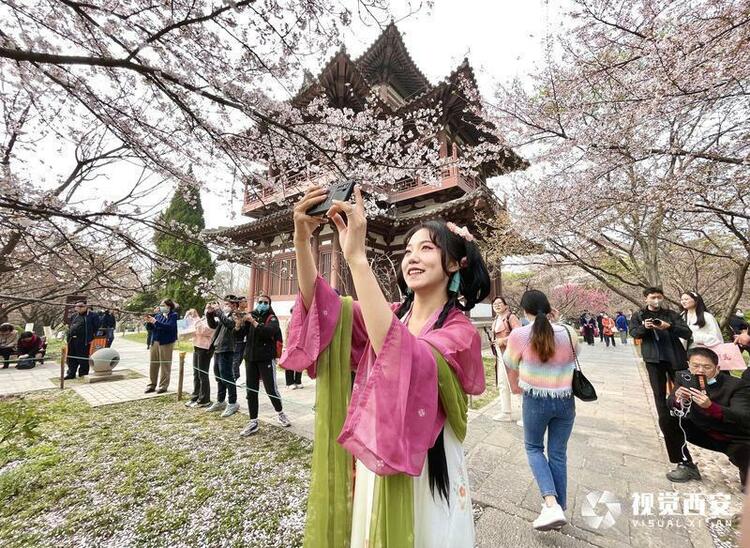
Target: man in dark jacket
x,y
600,325
717,414
222,343
660,330
239,338
83,327
262,332
107,322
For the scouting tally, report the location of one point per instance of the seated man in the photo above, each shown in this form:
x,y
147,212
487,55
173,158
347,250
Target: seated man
x,y
29,347
718,417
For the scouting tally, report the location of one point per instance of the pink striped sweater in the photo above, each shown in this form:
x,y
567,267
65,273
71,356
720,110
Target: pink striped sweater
x,y
552,378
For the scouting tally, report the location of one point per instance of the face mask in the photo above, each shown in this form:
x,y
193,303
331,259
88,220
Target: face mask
x,y
163,309
712,380
656,303
262,307
227,309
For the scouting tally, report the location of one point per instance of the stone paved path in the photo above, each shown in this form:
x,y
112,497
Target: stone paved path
x,y
615,447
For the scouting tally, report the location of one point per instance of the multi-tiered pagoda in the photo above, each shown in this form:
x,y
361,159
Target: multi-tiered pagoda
x,y
387,70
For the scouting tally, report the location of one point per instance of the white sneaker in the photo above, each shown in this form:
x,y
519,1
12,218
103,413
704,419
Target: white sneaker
x,y
519,422
216,406
190,403
251,428
231,409
503,417
551,517
283,421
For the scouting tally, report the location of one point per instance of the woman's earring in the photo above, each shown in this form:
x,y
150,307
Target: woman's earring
x,y
455,282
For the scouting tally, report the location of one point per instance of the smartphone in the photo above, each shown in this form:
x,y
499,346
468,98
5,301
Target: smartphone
x,y
341,191
688,380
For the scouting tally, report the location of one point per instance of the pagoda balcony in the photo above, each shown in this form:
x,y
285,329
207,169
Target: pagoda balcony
x,y
264,200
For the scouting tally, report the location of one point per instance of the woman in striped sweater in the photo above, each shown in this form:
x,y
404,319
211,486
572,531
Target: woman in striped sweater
x,y
540,360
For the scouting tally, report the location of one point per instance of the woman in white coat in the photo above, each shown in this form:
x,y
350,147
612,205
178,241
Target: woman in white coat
x,y
705,328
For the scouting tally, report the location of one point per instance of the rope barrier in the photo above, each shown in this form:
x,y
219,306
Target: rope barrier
x,y
242,386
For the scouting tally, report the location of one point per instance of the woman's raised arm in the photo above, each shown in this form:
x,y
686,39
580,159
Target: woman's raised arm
x,y
304,226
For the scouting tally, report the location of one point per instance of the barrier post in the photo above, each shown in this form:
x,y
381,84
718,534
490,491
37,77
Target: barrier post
x,y
63,356
180,376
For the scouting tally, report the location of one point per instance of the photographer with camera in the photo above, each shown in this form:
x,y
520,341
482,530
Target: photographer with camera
x,y
660,330
222,343
239,337
715,410
262,331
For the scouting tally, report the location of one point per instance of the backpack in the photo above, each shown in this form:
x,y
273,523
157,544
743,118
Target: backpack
x,y
278,339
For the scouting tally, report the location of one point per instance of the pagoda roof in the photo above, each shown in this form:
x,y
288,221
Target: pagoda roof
x,y
348,82
386,61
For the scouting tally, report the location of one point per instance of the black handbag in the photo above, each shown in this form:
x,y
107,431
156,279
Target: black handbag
x,y
582,387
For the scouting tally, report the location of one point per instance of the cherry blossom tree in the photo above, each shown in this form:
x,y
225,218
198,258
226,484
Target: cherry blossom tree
x,y
196,93
639,124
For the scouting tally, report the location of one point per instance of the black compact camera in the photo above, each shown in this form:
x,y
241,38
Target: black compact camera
x,y
654,320
341,191
689,380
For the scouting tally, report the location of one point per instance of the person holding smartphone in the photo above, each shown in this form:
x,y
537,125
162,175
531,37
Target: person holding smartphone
x,y
717,410
660,330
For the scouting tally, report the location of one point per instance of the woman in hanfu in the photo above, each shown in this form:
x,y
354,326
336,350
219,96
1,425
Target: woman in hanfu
x,y
388,466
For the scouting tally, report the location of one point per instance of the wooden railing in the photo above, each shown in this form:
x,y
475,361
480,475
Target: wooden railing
x,y
450,176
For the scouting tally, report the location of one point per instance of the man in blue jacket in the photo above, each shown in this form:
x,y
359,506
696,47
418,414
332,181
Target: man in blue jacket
x,y
621,322
163,336
83,327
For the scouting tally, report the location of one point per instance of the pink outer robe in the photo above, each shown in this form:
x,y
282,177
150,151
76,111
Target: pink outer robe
x,y
394,415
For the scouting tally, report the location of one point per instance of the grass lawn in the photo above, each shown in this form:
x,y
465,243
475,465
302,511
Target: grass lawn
x,y
490,392
181,346
148,473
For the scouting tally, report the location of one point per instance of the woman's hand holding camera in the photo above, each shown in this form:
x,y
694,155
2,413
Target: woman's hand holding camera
x,y
304,224
249,319
352,232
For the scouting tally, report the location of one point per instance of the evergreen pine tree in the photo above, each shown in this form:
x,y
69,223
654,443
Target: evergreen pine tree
x,y
184,219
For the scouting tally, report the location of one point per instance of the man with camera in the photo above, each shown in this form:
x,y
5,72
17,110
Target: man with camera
x,y
716,410
660,330
239,337
222,320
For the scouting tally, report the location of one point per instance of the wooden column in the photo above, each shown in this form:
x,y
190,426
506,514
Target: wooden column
x,y
316,248
268,288
251,284
335,262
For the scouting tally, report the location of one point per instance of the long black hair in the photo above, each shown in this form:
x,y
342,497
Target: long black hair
x,y
700,308
474,288
535,302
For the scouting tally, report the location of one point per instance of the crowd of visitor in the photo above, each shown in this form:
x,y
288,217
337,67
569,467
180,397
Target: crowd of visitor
x,y
229,334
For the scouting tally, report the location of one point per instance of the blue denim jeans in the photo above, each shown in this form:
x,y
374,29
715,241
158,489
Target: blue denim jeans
x,y
555,417
225,377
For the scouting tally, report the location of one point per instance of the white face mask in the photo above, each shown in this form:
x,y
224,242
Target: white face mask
x,y
655,303
227,309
